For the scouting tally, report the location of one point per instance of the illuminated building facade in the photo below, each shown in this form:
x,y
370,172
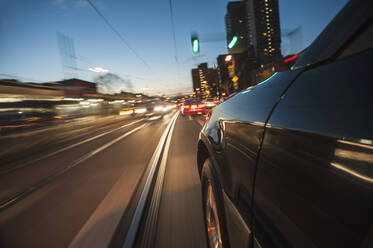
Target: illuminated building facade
x,y
264,28
205,81
238,36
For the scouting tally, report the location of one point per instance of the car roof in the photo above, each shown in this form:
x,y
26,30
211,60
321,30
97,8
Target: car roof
x,y
192,100
341,29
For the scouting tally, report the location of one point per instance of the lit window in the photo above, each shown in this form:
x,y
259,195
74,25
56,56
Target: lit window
x,y
267,16
266,12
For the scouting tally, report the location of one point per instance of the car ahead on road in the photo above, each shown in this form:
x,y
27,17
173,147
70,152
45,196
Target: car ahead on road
x,y
193,106
134,110
164,107
289,162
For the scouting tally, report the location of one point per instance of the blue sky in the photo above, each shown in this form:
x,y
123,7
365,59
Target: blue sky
x,y
29,47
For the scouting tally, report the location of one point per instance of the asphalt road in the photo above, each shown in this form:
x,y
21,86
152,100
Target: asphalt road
x,y
77,196
180,218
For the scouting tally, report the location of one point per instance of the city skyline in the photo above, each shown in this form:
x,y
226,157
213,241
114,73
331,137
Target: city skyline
x,y
30,50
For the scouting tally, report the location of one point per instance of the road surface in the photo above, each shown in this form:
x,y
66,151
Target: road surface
x,y
77,194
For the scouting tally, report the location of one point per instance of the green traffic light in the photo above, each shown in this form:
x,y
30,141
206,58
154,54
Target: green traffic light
x,y
195,45
233,42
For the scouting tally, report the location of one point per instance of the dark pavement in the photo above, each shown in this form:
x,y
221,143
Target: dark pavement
x,y
180,219
84,204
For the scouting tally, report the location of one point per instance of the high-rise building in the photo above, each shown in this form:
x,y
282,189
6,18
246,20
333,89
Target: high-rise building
x,y
205,81
238,37
213,81
196,82
225,72
253,41
264,30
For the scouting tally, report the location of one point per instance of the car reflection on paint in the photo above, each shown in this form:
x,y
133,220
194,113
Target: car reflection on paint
x,y
211,102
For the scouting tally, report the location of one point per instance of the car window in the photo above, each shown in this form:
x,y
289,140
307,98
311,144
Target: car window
x,y
190,101
363,41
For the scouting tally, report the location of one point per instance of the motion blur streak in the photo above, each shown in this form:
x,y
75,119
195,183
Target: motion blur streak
x,y
20,196
351,172
69,147
152,215
131,235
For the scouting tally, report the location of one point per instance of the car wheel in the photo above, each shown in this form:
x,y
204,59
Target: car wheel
x,y
213,209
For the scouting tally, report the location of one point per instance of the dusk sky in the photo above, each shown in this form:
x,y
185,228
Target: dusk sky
x,y
29,49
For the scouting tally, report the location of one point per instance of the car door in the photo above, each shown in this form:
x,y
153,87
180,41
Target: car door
x,y
314,182
235,131
242,121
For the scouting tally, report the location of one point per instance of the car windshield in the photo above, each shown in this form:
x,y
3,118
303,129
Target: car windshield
x,y
191,101
98,98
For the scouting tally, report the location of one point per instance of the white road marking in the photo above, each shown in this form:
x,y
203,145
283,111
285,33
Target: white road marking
x,y
19,196
100,226
131,235
152,213
67,147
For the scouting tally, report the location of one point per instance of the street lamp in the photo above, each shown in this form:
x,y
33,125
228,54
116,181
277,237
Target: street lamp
x,y
228,58
98,69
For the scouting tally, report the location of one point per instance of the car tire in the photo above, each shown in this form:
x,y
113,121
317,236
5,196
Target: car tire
x,y
213,211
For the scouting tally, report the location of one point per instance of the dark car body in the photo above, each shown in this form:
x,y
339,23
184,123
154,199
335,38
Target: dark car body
x,y
293,155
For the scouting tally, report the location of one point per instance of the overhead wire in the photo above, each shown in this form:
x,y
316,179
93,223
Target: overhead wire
x,y
118,34
173,29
